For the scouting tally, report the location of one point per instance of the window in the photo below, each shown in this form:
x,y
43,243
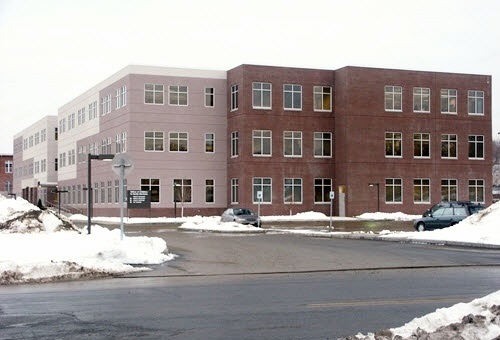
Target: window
x,y
209,97
178,141
421,145
209,191
234,191
476,190
322,144
449,190
71,121
393,144
153,141
43,135
62,159
182,190
476,147
118,144
261,95
117,191
263,185
121,97
152,185
56,164
93,110
393,190
43,165
261,143
153,94
393,98
292,191
8,186
292,144
8,167
448,101
421,190
103,106
106,146
322,188
421,99
37,167
103,192
234,97
37,138
292,97
234,144
96,192
108,103
124,141
109,192
449,146
209,142
178,95
476,102
322,98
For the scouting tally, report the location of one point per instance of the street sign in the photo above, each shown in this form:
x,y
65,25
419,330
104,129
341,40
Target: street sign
x,y
138,199
122,164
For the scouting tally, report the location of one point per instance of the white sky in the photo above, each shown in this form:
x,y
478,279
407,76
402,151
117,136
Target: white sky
x,y
53,50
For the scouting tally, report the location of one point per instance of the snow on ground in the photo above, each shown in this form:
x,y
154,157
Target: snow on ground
x,y
48,254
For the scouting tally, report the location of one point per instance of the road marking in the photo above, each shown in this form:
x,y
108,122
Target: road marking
x,y
386,302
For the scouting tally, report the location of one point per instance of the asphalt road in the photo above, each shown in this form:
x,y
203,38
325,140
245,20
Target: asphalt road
x,y
255,287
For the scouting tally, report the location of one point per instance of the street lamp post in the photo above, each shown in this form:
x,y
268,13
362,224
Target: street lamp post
x,y
58,192
90,157
378,193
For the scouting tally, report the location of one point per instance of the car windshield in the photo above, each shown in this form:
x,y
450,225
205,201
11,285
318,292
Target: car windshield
x,y
242,212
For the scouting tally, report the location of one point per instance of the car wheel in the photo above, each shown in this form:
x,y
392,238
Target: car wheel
x,y
421,226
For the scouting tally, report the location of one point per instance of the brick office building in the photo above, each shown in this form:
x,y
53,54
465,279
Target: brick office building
x,y
203,140
6,174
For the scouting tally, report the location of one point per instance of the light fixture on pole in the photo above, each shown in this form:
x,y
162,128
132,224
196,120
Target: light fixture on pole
x,y
378,193
90,157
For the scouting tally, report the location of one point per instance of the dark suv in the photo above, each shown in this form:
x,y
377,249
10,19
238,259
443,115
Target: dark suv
x,y
445,214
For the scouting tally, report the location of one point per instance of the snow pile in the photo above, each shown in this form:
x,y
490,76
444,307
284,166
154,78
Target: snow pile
x,y
477,320
398,216
199,223
34,247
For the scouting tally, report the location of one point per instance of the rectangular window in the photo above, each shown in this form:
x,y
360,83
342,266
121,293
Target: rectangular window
x,y
449,143
393,98
152,185
476,102
261,95
8,167
123,95
109,192
234,191
261,143
37,138
118,99
421,145
178,141
263,185
476,147
117,190
103,192
209,142
93,110
209,97
96,192
292,144
448,101
43,135
393,190
421,190
118,144
153,141
108,103
234,144
449,190
153,94
322,188
322,98
234,97
292,188
209,191
292,97
182,190
178,95
393,144
476,190
124,141
322,144
421,99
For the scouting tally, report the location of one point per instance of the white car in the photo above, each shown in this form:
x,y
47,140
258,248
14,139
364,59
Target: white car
x,y
241,215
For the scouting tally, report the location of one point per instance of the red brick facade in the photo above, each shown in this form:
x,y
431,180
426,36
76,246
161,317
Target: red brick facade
x,y
359,123
6,174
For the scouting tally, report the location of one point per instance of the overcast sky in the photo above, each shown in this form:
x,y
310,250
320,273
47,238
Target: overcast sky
x,y
51,51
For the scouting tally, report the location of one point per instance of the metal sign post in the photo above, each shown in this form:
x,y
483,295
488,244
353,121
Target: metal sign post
x,y
259,199
332,196
122,165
